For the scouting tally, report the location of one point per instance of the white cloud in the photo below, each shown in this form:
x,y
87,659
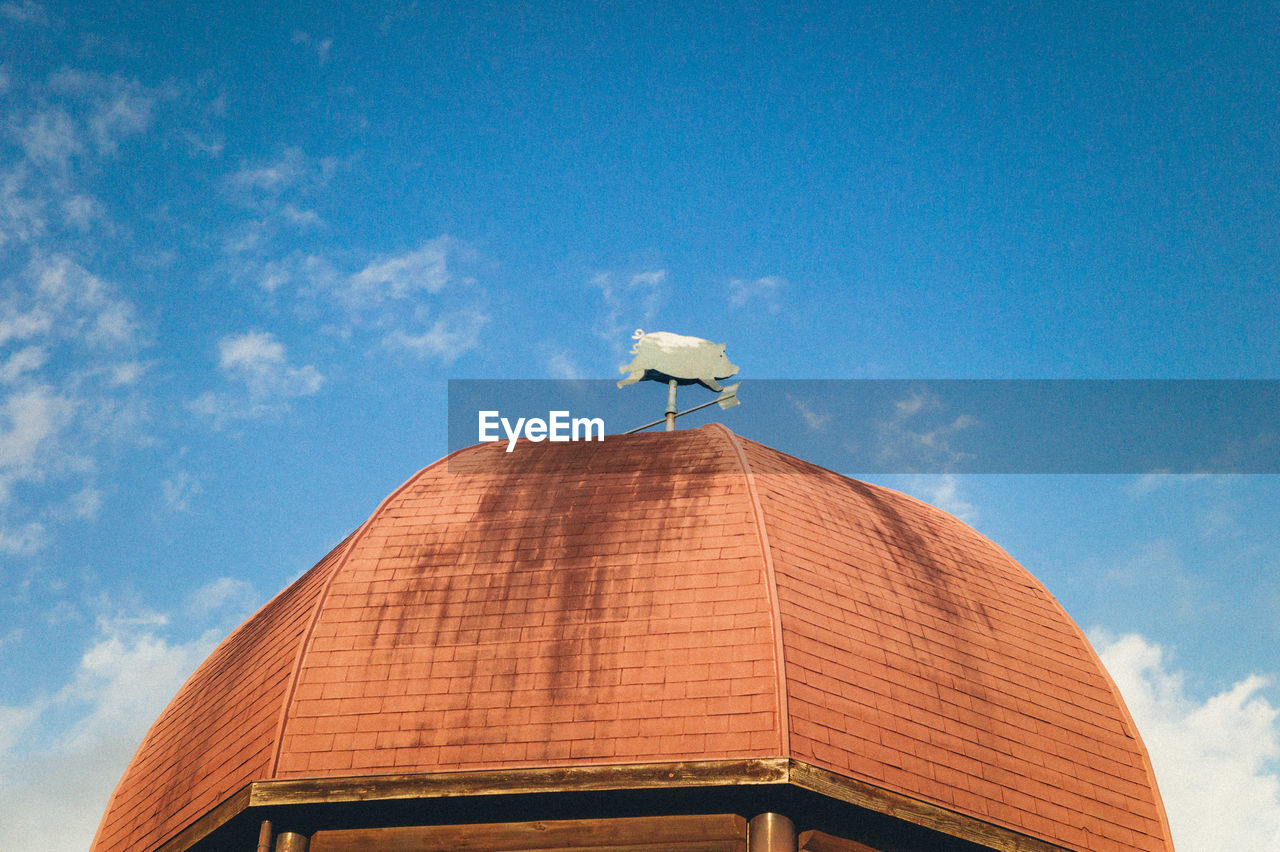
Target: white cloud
x,y
49,138
278,192
259,360
220,595
904,439
68,378
30,421
259,363
634,302
423,270
943,490
271,177
423,301
124,679
68,301
447,339
25,12
82,211
114,108
758,290
25,540
86,503
22,209
180,489
207,146
1149,483
265,182
1215,760
319,46
813,419
300,217
562,366
26,360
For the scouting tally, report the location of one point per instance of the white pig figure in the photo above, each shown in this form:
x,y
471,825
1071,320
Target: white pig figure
x,y
662,356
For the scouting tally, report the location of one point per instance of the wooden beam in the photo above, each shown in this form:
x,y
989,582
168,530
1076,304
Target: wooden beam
x,y
898,806
578,779
684,833
573,779
816,841
221,814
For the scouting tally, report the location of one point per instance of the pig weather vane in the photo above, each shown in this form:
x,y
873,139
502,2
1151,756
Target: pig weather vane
x,y
676,359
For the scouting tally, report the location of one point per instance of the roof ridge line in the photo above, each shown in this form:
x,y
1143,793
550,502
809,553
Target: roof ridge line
x,y
771,589
305,645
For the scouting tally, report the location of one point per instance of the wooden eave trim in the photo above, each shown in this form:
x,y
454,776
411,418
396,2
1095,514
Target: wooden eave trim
x,y
220,815
571,779
606,778
872,798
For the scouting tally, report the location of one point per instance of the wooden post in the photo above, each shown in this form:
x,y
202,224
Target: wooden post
x,y
264,836
288,841
770,832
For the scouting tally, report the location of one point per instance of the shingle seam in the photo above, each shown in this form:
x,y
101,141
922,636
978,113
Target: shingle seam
x,y
771,589
318,608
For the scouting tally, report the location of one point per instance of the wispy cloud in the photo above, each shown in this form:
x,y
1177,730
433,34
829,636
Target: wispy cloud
x,y
945,491
1215,760
446,340
424,269
561,365
629,300
49,138
815,420
763,292
266,182
86,503
318,46
61,299
24,540
202,144
220,595
25,12
115,108
256,366
26,360
425,301
70,338
30,422
918,435
179,490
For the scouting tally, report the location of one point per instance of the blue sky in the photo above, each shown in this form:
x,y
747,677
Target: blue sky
x,y
242,252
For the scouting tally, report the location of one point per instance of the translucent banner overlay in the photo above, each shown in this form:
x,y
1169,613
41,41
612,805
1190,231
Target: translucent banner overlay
x,y
878,426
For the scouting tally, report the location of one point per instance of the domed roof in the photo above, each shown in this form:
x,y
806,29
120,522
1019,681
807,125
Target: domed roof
x,y
660,598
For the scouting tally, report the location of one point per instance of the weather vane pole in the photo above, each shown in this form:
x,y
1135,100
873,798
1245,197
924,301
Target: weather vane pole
x,y
661,356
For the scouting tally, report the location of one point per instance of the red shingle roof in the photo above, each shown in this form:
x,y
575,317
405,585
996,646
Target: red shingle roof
x,y
661,597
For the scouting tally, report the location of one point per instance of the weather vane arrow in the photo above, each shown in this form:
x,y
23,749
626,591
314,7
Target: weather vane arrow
x,y
677,359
